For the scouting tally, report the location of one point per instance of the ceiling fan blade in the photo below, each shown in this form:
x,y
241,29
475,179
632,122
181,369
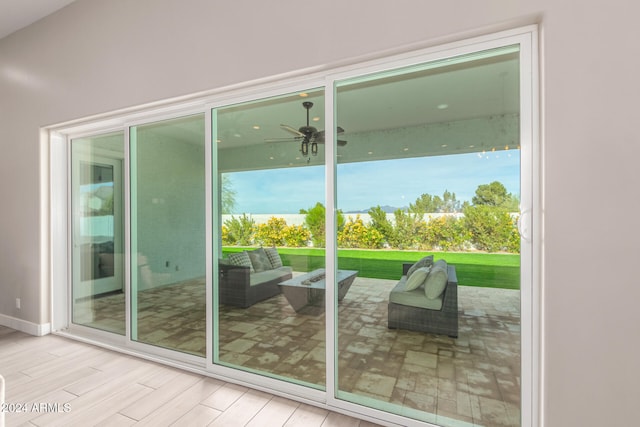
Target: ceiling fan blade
x,y
342,142
287,139
320,136
292,130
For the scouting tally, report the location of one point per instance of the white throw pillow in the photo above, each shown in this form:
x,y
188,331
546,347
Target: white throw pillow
x,y
424,262
436,282
417,278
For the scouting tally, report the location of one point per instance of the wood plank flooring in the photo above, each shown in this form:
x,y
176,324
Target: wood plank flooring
x,y
61,382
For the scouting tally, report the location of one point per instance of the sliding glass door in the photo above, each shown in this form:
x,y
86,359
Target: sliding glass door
x,y
429,185
352,239
98,298
168,234
269,238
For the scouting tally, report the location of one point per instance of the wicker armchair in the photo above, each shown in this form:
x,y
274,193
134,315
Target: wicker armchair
x,y
443,321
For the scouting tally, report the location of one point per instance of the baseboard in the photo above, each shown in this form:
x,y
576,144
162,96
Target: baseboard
x,y
25,326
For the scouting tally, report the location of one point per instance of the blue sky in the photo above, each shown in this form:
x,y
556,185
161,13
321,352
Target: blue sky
x,y
387,182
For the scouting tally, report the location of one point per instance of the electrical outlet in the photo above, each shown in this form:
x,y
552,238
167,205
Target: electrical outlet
x,y
18,303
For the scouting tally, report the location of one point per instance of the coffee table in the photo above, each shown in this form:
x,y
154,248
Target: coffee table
x,y
306,292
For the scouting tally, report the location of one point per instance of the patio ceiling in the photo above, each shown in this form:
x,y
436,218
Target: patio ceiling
x,y
451,107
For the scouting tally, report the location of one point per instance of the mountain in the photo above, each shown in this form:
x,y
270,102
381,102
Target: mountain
x,y
385,208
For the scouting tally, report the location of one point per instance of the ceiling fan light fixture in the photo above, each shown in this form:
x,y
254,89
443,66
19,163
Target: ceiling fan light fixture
x,y
305,148
314,148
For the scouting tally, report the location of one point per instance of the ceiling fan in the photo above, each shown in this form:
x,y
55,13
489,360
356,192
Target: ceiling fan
x,y
307,135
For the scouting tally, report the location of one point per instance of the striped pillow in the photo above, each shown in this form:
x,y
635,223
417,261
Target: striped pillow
x,y
241,259
274,257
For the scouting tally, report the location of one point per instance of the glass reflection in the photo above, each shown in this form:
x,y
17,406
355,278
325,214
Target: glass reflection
x,y
98,277
168,234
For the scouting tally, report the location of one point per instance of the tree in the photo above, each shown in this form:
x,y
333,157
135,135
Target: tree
x,y
426,203
239,231
227,194
381,223
315,222
449,202
494,194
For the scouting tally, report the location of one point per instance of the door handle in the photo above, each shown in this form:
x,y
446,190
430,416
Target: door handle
x,y
524,225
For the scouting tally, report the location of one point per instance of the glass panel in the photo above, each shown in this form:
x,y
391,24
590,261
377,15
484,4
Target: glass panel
x,y
168,234
431,168
270,237
98,278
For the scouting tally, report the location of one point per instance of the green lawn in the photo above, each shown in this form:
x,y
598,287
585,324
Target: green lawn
x,y
473,269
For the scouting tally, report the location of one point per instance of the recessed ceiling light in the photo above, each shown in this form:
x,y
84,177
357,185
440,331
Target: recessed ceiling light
x,y
237,135
443,106
218,140
370,152
405,149
304,94
443,145
271,157
256,127
471,146
316,119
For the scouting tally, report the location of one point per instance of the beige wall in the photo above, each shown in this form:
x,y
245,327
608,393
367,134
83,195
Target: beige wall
x,y
99,55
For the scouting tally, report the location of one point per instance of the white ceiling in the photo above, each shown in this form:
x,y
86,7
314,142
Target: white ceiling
x,y
17,14
433,93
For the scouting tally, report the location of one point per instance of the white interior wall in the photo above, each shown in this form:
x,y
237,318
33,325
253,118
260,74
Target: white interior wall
x,y
100,55
170,225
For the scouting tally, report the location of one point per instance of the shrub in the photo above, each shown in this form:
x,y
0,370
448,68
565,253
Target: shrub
x,y
408,230
355,234
296,235
446,233
272,233
238,231
513,243
489,227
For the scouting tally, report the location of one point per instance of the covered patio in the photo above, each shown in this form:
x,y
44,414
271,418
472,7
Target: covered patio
x,y
473,379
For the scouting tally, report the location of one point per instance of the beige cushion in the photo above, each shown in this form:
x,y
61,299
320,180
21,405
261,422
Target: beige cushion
x,y
282,273
414,298
417,278
424,262
436,282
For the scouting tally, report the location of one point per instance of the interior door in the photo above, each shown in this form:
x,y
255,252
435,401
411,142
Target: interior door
x,y
97,225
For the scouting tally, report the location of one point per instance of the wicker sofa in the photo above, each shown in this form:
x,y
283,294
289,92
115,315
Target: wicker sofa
x,y
413,310
243,283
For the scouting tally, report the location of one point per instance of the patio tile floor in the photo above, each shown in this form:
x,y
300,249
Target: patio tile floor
x,y
473,379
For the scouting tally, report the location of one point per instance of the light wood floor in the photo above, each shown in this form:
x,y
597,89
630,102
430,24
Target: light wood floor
x,y
91,386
